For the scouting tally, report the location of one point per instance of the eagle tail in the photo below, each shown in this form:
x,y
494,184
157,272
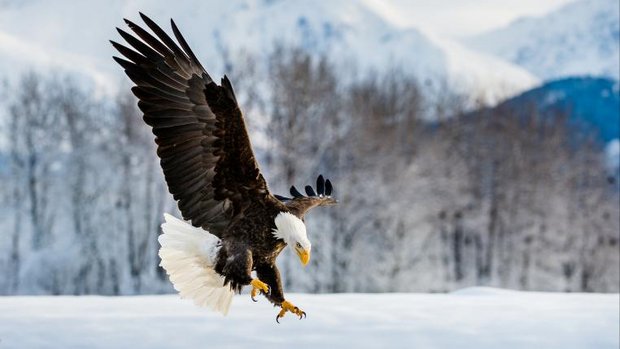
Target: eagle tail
x,y
188,255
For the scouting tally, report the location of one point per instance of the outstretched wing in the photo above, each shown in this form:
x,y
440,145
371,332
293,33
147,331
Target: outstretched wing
x,y
201,136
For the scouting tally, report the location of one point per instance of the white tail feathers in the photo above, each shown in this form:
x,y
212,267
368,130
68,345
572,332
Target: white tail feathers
x,y
188,255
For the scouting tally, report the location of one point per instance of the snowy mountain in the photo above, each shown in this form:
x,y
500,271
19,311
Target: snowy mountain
x,y
581,38
73,35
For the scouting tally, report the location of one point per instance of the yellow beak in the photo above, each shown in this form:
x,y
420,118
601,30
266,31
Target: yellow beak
x,y
304,256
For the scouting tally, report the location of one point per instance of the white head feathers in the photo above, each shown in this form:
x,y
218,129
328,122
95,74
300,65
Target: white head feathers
x,y
292,230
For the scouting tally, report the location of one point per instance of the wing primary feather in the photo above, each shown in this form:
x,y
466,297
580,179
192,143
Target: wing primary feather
x,y
129,53
320,185
228,88
149,39
310,191
161,34
282,198
295,192
124,63
184,45
141,47
328,188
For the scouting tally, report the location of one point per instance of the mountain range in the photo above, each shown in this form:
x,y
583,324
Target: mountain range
x,y
580,38
591,104
73,36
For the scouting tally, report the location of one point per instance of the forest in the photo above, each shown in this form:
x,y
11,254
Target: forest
x,y
436,191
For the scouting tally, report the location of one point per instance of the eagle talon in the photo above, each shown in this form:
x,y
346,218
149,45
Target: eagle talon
x,y
288,306
258,287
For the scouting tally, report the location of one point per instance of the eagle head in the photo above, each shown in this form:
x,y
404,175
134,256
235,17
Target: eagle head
x,y
293,231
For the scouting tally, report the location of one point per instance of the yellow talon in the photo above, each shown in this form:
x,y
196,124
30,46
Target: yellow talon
x,y
288,306
257,287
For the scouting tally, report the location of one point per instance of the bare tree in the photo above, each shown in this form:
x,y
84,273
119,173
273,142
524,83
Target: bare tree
x,y
34,137
431,197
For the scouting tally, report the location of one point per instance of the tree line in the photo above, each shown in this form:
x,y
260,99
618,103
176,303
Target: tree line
x,y
432,197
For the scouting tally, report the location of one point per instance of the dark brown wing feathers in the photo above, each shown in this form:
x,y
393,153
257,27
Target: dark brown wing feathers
x,y
201,136
300,204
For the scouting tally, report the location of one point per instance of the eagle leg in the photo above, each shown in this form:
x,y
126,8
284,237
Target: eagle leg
x,y
288,306
258,287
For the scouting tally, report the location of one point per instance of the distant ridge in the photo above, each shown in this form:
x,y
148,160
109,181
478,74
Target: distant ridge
x,y
580,38
73,35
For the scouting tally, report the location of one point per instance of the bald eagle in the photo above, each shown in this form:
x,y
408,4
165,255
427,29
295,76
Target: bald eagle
x,y
236,226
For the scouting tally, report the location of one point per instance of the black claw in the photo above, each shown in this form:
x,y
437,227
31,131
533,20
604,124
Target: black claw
x,y
278,318
253,299
303,313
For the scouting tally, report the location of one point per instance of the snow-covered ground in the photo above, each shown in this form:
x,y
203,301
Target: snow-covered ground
x,y
471,318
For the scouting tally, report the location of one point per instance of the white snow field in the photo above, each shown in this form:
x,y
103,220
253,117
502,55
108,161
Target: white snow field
x,y
471,318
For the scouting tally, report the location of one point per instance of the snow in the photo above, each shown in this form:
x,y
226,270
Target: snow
x,y
580,38
471,318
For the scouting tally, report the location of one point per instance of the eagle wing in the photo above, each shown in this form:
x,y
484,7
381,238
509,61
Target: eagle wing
x,y
201,135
